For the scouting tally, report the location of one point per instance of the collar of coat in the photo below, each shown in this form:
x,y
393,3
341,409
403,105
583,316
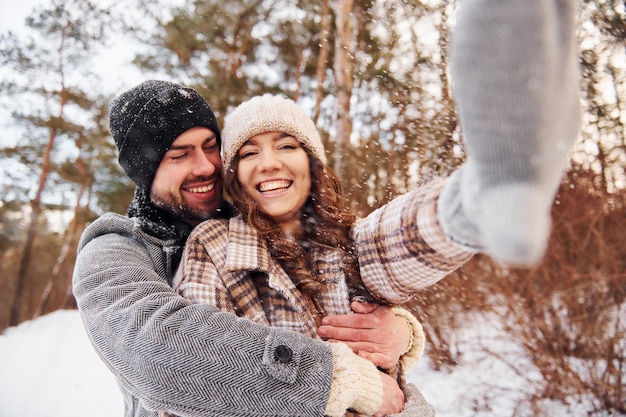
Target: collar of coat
x,y
246,251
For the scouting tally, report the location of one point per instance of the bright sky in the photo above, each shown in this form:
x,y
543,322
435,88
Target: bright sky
x,y
13,13
112,64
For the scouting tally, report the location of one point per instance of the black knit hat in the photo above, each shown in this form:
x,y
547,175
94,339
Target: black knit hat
x,y
148,118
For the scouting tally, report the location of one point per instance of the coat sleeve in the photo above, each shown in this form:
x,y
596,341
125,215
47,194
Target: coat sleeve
x,y
402,248
190,359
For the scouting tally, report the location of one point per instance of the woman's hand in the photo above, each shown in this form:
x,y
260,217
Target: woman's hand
x,y
393,397
374,333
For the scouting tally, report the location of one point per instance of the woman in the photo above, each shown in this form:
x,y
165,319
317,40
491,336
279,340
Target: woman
x,y
290,257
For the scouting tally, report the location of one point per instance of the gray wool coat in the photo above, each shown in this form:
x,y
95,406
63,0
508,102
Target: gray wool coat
x,y
188,359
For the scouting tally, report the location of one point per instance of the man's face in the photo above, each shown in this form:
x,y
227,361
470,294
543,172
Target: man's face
x,y
188,182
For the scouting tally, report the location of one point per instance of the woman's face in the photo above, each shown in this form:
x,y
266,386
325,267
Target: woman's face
x,y
274,170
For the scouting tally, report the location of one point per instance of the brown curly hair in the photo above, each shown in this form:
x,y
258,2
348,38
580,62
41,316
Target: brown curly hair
x,y
326,222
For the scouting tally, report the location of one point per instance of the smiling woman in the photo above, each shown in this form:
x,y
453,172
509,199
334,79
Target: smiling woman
x,y
290,259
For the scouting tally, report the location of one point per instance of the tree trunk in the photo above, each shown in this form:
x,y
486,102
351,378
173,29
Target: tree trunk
x,y
344,78
21,287
322,61
68,243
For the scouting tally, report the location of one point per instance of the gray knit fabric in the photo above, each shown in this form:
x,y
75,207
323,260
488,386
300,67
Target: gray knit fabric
x,y
515,72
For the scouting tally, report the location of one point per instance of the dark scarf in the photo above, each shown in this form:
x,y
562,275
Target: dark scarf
x,y
161,224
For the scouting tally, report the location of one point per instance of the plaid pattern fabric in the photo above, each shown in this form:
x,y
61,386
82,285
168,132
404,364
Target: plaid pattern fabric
x,y
401,249
401,246
226,264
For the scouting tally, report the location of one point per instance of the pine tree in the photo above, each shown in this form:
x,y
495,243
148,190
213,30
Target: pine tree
x,y
49,92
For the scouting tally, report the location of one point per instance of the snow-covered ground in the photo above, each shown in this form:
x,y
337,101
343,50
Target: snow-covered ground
x,y
49,369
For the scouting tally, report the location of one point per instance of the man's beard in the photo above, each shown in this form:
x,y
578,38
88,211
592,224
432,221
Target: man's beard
x,y
178,208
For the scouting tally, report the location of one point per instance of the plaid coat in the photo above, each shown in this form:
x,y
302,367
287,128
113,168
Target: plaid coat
x,y
401,249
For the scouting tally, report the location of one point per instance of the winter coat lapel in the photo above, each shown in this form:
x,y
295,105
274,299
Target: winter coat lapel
x,y
246,252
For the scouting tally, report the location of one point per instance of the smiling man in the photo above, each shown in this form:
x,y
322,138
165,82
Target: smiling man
x,y
169,146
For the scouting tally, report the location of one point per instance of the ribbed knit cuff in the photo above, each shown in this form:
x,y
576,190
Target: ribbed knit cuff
x,y
455,221
356,383
417,340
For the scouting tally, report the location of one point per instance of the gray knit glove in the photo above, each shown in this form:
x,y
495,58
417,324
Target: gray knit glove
x,y
516,83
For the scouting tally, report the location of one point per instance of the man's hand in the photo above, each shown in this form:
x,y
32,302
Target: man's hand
x,y
374,333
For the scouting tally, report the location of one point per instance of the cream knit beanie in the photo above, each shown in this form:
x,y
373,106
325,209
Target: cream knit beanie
x,y
268,113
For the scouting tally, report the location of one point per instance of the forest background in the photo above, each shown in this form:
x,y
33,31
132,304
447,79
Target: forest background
x,y
374,77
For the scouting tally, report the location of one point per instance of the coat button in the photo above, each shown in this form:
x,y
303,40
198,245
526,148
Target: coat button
x,y
282,354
